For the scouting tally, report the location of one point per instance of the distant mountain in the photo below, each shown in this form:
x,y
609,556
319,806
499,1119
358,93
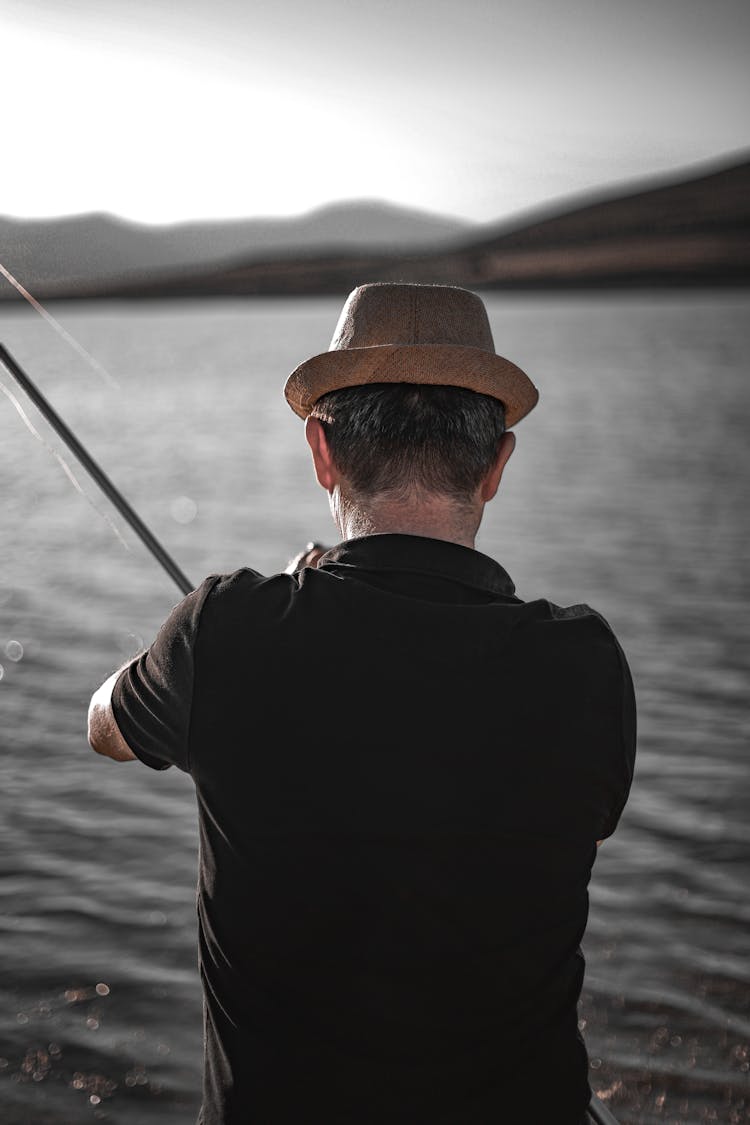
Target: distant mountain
x,y
94,253
684,230
692,231
676,231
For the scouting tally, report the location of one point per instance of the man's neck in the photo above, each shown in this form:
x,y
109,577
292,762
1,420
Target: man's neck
x,y
436,518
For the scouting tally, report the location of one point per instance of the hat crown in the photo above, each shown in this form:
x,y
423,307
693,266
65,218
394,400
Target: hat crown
x,y
399,332
382,313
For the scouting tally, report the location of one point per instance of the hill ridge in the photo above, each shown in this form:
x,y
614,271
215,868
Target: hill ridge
x,y
671,230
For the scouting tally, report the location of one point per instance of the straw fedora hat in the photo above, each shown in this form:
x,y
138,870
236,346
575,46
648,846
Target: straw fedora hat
x,y
406,333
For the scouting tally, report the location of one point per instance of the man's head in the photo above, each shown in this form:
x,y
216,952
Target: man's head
x,y
407,411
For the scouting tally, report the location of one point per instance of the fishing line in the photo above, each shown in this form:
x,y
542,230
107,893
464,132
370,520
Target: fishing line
x,y
97,366
54,419
63,464
112,493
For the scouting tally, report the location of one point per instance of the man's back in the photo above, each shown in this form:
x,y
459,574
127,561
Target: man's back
x,y
402,772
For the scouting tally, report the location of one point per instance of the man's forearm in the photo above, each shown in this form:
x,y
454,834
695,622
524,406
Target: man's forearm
x,y
103,732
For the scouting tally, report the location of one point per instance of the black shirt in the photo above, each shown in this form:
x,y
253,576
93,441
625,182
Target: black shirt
x,y
402,771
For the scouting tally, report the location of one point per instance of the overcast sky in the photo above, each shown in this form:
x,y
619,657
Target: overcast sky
x,y
165,111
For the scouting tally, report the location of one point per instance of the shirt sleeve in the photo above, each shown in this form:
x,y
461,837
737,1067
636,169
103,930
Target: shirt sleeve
x,y
627,735
152,697
609,710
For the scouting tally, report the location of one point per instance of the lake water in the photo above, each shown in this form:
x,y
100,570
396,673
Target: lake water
x,y
628,490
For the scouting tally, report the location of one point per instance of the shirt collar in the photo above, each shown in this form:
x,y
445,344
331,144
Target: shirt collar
x,y
418,553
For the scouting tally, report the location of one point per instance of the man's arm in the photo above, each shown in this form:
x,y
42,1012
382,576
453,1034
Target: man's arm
x,y
103,732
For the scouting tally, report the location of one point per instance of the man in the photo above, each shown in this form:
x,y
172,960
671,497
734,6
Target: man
x,y
402,769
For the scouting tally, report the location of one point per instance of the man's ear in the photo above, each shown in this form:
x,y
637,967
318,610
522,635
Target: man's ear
x,y
325,470
492,480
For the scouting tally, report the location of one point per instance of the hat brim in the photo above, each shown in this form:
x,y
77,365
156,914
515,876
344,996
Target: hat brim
x,y
451,365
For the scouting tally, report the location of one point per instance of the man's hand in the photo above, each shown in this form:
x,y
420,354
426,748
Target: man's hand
x,y
311,555
103,732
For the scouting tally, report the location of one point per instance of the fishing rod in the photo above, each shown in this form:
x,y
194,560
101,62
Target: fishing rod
x,y
88,462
